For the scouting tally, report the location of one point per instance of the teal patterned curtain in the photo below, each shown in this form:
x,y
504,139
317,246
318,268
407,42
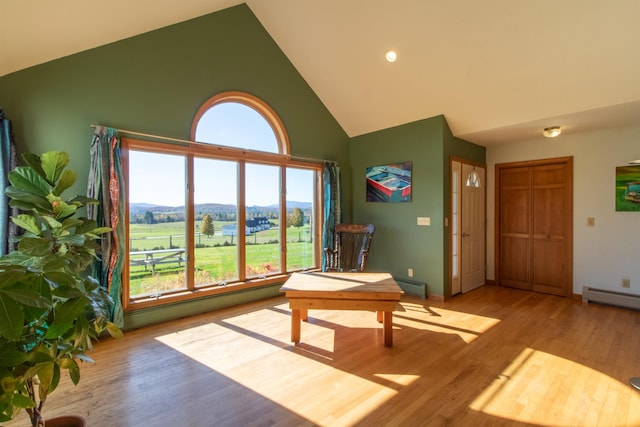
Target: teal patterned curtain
x,y
332,202
7,163
106,184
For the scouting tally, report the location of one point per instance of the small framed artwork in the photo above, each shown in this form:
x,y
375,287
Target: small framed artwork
x,y
389,183
628,188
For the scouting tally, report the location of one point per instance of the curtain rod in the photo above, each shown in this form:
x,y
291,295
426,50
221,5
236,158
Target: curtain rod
x,y
186,141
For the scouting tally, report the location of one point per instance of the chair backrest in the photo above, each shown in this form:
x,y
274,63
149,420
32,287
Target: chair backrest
x,y
352,242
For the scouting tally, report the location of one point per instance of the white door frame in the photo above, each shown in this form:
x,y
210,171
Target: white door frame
x,y
467,230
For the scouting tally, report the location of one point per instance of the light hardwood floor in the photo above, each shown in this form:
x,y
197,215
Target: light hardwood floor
x,y
492,357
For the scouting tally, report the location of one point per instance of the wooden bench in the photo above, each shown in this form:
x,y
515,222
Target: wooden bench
x,y
342,291
155,257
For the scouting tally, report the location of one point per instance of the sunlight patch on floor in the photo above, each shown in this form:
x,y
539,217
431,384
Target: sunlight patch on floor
x,y
439,320
529,390
264,361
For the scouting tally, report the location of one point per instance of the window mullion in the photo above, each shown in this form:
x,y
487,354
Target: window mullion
x,y
190,224
242,221
318,210
283,219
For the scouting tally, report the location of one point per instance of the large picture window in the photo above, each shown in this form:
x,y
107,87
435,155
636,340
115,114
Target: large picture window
x,y
231,209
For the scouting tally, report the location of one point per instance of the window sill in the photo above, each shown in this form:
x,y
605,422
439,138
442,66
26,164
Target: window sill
x,y
169,298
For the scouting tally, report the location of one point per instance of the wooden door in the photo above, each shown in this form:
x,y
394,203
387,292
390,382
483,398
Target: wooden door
x,y
472,253
534,225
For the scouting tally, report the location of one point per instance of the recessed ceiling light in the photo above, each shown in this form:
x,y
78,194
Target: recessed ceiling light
x,y
552,132
391,56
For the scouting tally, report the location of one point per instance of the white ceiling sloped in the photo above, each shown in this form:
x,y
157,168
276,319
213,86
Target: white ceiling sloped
x,y
498,70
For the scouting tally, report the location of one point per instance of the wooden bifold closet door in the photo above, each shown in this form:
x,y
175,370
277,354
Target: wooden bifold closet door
x,y
534,225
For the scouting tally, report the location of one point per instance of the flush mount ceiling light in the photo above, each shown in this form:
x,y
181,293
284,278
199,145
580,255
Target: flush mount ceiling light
x,y
552,132
391,56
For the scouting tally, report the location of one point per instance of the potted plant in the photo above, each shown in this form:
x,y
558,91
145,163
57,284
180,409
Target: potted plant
x,y
51,309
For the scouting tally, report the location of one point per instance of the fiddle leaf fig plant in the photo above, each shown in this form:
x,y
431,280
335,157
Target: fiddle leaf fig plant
x,y
51,309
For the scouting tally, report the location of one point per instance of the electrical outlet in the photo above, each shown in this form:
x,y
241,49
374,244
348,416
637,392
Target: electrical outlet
x,y
410,272
626,282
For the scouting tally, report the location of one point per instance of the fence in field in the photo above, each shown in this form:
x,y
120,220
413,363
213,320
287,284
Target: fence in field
x,y
173,241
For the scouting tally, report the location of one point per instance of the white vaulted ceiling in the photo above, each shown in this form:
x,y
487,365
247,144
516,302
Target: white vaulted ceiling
x,y
499,70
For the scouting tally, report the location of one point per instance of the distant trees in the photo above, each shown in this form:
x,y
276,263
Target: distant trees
x,y
206,226
296,219
148,218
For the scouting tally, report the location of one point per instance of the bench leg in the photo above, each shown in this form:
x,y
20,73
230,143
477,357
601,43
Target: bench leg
x,y
295,325
388,328
379,315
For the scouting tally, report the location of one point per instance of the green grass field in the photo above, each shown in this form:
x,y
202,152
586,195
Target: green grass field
x,y
215,256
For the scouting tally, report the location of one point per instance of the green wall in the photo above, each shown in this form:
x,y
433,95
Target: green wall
x,y
399,243
154,83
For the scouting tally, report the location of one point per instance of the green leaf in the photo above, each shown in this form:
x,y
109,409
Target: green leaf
x,y
65,315
56,378
26,179
53,163
39,359
35,247
53,262
60,278
27,222
74,369
11,318
101,230
46,377
67,180
86,226
61,209
67,292
33,161
71,223
27,297
7,380
10,275
16,259
84,200
72,239
27,201
22,401
11,358
114,330
53,223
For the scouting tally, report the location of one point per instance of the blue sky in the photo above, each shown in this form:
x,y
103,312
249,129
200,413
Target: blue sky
x,y
160,178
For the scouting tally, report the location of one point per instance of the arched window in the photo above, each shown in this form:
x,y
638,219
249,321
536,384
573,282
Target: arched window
x,y
241,120
230,209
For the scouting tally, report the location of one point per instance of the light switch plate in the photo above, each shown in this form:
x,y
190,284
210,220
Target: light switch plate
x,y
424,220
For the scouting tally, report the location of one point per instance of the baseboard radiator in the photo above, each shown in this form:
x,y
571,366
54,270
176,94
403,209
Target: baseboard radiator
x,y
619,299
412,287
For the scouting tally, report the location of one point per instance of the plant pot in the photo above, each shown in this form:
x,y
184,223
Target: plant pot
x,y
66,421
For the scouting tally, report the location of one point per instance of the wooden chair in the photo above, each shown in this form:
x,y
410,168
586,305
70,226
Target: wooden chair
x,y
352,242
